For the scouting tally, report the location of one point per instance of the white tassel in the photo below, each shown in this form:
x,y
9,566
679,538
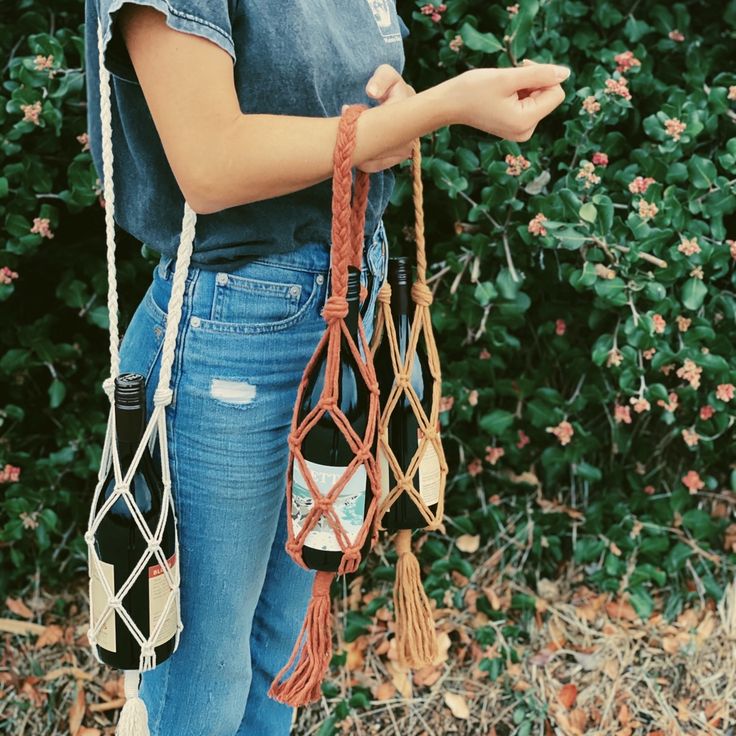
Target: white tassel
x,y
133,719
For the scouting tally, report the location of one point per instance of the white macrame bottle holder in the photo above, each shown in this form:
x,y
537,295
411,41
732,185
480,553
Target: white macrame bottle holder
x,y
133,718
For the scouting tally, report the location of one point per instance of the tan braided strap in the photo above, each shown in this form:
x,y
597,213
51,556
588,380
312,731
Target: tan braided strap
x,y
415,631
348,222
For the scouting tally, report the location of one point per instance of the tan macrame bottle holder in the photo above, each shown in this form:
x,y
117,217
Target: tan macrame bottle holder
x,y
415,631
133,719
314,642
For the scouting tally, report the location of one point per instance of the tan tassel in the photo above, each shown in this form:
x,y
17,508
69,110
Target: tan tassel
x,y
133,719
416,638
304,685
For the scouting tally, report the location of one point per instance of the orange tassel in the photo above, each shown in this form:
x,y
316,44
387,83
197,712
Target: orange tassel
x,y
416,638
304,685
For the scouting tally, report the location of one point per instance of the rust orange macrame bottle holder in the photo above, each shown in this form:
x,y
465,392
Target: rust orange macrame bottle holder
x,y
314,644
415,632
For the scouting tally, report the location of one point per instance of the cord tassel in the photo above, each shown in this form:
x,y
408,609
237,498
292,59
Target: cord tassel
x,y
304,685
416,637
133,719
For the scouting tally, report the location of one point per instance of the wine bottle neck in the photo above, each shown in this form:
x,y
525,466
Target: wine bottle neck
x,y
130,425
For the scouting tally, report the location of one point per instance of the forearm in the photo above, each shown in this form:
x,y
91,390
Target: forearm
x,y
259,156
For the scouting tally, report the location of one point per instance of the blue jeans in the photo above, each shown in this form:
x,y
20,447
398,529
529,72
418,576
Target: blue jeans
x,y
244,341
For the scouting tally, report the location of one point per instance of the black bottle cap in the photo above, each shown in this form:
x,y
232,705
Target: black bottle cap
x,y
399,270
130,390
353,290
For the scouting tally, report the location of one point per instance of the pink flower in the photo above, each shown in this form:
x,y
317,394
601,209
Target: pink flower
x,y
600,158
732,246
670,406
641,184
706,412
473,397
649,490
615,357
725,391
10,474
43,62
591,105
512,9
42,226
535,226
690,372
7,276
659,324
516,164
625,61
690,438
692,481
446,403
689,247
675,35
732,92
622,414
494,454
475,467
523,440
456,44
647,210
563,431
587,174
434,12
674,128
31,112
640,404
29,520
83,138
697,273
484,354
683,323
560,327
618,87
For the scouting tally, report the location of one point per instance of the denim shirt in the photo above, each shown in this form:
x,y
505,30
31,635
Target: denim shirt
x,y
295,57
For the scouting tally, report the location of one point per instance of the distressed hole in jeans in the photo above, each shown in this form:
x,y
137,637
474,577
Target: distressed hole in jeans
x,y
232,392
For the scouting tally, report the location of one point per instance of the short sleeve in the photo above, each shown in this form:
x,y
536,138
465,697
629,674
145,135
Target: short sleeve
x,y
211,20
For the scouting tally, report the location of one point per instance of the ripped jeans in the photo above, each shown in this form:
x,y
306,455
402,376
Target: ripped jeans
x,y
244,341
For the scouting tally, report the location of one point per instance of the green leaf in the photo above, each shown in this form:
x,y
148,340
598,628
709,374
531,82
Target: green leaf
x,y
588,212
693,293
477,41
496,422
702,172
57,392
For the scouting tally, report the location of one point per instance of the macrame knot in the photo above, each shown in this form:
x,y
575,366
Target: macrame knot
x,y
323,503
152,546
147,649
351,554
363,453
336,307
115,602
329,403
402,380
108,385
121,488
162,396
89,537
384,293
421,294
292,547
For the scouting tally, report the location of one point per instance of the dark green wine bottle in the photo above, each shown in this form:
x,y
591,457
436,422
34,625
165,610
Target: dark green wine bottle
x,y
120,545
404,432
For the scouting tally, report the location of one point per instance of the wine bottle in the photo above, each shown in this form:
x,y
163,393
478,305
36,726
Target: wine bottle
x,y
120,545
327,453
404,431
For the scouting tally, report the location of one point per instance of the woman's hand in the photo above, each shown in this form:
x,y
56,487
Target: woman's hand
x,y
508,103
387,86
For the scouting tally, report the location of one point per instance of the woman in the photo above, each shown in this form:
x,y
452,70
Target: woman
x,y
235,106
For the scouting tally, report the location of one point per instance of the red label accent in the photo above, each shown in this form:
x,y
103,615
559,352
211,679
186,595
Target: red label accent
x,y
155,570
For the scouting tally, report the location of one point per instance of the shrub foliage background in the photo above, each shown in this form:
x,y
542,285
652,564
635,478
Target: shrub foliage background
x,y
585,303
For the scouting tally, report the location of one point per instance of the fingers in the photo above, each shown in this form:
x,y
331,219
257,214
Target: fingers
x,y
541,103
383,78
532,76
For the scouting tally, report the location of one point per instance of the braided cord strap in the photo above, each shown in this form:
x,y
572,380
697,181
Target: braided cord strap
x,y
315,639
415,631
133,718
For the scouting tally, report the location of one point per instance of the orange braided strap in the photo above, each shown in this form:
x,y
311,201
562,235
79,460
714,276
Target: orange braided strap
x,y
348,222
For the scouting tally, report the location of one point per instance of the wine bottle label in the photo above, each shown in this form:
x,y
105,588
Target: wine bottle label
x,y
98,600
348,506
429,471
384,470
158,593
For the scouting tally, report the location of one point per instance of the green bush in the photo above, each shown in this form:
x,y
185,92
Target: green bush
x,y
585,299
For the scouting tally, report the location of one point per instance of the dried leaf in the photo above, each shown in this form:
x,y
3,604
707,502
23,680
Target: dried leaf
x,y
468,542
458,705
385,691
76,712
19,608
567,695
52,635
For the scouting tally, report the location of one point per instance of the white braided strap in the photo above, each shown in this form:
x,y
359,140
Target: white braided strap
x,y
155,427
